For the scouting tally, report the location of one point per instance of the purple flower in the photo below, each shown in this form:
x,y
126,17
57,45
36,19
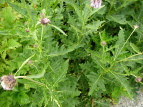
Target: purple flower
x,y
26,30
103,43
96,3
138,79
45,21
29,62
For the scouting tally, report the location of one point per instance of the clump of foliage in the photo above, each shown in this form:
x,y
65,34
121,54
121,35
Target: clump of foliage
x,y
64,53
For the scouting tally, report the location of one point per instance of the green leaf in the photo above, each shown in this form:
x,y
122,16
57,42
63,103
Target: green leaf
x,y
38,75
24,63
5,99
121,19
35,98
58,29
95,25
116,93
19,8
12,44
95,82
76,8
62,50
23,98
124,83
2,2
8,17
90,13
135,48
119,44
69,91
63,72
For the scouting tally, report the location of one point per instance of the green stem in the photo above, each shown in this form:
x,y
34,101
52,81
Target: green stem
x,y
42,33
41,39
25,77
111,6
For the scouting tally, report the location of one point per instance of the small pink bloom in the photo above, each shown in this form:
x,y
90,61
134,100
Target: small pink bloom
x,y
42,14
96,3
138,79
45,21
29,62
27,30
103,43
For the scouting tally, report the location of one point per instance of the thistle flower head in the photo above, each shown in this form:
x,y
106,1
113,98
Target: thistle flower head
x,y
96,3
29,62
138,79
136,26
45,21
103,43
26,30
8,82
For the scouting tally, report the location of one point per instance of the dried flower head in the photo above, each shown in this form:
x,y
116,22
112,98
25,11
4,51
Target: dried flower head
x,y
96,3
45,21
35,45
8,82
138,79
136,26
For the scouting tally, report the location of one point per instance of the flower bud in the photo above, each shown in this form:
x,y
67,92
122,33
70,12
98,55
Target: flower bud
x,y
103,43
45,21
136,26
8,82
138,79
29,62
42,15
26,30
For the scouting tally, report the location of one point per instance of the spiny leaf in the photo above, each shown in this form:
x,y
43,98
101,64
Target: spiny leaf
x,y
135,48
8,17
12,44
121,19
63,51
23,98
63,71
76,8
24,63
119,43
92,12
59,29
96,82
95,25
123,82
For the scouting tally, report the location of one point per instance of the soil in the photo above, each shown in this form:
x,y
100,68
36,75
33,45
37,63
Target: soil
x,y
126,102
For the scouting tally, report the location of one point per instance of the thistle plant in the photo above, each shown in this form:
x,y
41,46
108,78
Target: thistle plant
x,y
86,52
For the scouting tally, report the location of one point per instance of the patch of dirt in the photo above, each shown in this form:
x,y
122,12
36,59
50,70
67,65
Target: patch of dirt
x,y
126,102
